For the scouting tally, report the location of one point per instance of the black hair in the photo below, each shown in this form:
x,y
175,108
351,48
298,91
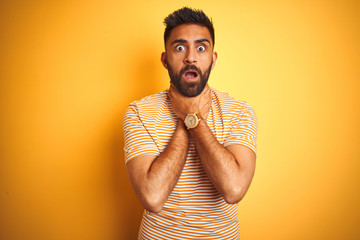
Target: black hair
x,y
187,15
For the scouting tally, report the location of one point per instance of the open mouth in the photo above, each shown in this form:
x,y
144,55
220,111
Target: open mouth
x,y
191,74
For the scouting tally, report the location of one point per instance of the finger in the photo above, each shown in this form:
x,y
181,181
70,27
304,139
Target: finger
x,y
204,92
171,94
207,90
173,88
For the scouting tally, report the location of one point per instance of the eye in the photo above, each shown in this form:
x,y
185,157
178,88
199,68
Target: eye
x,y
180,48
201,48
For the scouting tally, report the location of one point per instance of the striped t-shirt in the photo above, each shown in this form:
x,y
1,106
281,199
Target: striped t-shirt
x,y
194,209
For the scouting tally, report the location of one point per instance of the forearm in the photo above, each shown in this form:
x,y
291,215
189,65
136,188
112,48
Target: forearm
x,y
230,169
223,169
164,171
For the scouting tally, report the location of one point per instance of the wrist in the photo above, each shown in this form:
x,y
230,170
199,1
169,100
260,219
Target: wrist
x,y
192,120
181,128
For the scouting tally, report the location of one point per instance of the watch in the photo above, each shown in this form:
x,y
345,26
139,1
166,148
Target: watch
x,y
191,120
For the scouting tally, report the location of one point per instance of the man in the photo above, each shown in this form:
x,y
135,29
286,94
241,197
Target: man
x,y
190,150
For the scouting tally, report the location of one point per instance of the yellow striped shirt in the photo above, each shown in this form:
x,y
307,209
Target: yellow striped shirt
x,y
194,209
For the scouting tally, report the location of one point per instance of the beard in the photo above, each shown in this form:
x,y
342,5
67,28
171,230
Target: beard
x,y
191,89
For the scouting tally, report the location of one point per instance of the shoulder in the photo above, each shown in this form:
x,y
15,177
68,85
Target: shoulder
x,y
229,104
149,103
148,108
151,100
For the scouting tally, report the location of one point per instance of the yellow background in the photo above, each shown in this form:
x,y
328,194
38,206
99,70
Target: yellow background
x,y
68,70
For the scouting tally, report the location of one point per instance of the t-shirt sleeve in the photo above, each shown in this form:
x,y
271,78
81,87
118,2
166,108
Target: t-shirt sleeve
x,y
243,128
138,141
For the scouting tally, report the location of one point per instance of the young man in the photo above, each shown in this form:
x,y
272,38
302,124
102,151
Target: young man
x,y
190,150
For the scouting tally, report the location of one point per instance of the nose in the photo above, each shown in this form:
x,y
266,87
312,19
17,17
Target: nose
x,y
190,57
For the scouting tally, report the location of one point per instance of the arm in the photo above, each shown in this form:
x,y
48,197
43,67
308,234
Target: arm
x,y
153,178
230,169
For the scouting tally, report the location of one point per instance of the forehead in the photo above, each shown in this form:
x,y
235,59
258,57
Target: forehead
x,y
189,32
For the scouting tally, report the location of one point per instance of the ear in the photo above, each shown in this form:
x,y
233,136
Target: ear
x,y
214,57
163,59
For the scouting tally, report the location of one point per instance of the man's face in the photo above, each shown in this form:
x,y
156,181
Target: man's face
x,y
189,58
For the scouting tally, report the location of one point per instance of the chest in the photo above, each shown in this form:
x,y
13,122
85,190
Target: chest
x,y
161,126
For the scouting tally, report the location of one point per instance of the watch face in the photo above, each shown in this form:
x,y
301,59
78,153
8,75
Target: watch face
x,y
190,120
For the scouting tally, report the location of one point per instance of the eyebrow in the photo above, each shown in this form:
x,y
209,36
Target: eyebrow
x,y
178,41
185,41
202,40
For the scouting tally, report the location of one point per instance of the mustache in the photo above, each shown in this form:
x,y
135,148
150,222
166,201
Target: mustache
x,y
190,67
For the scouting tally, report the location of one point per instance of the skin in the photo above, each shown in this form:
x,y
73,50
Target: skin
x,y
230,169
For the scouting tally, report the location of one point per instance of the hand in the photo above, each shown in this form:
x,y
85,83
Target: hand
x,y
182,105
